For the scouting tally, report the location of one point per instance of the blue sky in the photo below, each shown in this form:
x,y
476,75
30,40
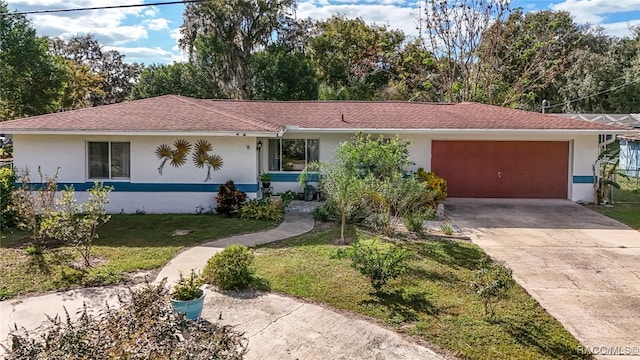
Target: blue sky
x,y
150,34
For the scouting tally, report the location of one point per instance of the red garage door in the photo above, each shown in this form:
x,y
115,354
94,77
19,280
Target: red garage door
x,y
503,169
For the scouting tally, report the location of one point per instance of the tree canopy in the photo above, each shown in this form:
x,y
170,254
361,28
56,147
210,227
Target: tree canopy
x,y
466,50
31,79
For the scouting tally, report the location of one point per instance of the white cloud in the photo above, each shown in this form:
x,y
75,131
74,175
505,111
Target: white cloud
x,y
595,11
109,24
141,52
620,29
176,34
157,24
395,17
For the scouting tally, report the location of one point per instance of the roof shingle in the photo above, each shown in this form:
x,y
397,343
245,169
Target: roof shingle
x,y
182,114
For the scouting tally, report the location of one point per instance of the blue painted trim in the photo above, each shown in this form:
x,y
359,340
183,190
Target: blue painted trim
x,y
291,177
585,179
151,187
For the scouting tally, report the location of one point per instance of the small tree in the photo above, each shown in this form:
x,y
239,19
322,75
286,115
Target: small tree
x,y
492,281
31,202
360,169
76,224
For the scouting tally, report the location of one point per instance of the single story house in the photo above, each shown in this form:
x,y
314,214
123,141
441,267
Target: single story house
x,y
481,150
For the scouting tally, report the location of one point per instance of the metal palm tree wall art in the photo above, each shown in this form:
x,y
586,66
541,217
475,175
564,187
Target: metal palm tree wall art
x,y
177,155
201,158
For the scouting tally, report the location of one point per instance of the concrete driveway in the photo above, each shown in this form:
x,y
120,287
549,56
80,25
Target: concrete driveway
x,y
582,267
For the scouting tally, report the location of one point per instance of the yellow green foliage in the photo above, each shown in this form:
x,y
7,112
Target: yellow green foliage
x,y
435,183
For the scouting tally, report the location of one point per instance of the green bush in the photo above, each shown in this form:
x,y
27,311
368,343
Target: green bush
x,y
436,184
414,220
7,187
229,199
380,221
492,281
187,288
143,324
261,209
377,262
230,269
326,212
287,197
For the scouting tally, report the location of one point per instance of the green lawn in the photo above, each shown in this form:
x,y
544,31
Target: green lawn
x,y
129,243
626,203
432,301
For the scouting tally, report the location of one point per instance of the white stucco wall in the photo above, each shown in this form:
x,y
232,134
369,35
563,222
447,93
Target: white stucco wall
x,y
583,150
69,153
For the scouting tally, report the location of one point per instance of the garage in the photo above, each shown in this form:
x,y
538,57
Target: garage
x,y
503,169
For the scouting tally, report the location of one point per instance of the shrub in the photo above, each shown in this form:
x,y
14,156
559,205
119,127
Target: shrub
x,y
261,209
380,221
287,197
378,263
492,281
76,224
435,183
230,269
229,199
187,288
143,326
414,220
7,187
446,227
327,211
31,204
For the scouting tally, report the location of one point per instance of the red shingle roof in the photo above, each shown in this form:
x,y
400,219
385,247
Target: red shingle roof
x,y
182,114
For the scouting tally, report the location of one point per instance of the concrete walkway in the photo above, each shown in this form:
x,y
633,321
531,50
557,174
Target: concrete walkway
x,y
581,266
295,223
277,327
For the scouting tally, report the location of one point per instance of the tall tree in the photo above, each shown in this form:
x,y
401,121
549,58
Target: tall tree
x,y
354,60
31,80
117,76
282,73
524,55
179,78
416,75
222,34
454,31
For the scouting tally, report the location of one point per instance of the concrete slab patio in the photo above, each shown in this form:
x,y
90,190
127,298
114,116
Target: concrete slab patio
x,y
581,266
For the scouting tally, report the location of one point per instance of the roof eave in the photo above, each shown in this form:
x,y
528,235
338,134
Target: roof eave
x,y
142,132
296,129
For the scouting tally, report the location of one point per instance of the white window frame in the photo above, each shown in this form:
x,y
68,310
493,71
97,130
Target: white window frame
x,y
109,165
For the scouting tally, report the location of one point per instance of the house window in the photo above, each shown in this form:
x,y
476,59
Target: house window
x,y
292,154
109,160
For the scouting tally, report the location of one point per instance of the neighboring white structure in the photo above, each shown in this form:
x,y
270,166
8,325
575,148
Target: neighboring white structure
x,y
482,150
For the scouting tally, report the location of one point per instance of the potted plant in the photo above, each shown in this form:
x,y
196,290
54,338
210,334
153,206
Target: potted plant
x,y
187,297
265,179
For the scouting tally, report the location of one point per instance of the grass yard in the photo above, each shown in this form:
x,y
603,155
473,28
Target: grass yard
x,y
128,243
626,206
431,301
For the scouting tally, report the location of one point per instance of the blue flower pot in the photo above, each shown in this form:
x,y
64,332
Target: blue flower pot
x,y
190,308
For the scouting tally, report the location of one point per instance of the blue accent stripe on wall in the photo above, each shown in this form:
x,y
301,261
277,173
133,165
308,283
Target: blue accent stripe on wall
x,y
291,177
588,179
152,187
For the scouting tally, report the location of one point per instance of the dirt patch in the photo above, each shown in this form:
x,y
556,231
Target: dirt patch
x,y
94,261
180,232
